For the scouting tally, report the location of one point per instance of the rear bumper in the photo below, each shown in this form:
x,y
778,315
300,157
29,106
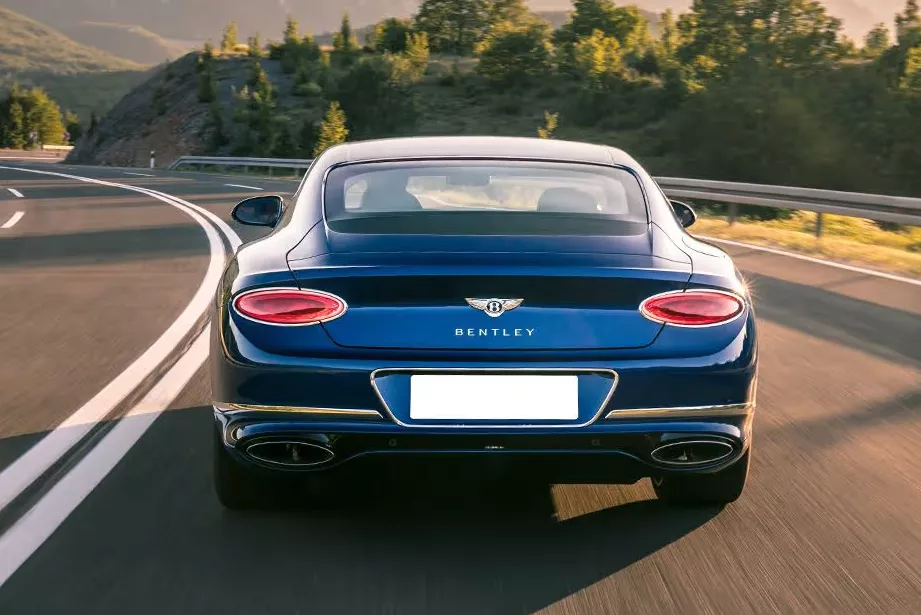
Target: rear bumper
x,y
330,404
622,450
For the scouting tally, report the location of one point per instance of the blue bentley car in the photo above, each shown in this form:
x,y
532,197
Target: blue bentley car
x,y
536,303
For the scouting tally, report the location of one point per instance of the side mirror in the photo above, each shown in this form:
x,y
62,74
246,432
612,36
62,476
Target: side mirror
x,y
259,211
685,214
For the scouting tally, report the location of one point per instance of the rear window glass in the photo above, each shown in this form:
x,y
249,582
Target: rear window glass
x,y
484,197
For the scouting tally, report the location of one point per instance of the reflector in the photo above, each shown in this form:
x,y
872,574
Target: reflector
x,y
693,308
278,306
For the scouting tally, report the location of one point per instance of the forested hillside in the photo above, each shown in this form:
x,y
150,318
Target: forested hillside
x,y
766,92
201,19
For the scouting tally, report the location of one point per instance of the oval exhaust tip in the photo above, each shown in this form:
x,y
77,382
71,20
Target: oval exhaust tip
x,y
290,453
692,452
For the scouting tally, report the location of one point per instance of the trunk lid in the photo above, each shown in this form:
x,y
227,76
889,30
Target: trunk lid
x,y
411,292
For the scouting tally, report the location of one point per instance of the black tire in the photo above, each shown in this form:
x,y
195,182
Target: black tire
x,y
719,488
236,486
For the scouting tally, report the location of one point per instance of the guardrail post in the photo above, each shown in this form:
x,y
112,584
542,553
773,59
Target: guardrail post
x,y
271,169
153,159
818,225
733,213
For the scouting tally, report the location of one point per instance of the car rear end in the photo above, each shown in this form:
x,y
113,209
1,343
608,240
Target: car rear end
x,y
537,313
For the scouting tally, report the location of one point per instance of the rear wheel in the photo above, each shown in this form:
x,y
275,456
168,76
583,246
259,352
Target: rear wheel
x,y
236,486
720,487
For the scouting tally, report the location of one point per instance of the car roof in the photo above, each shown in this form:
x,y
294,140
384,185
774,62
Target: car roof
x,y
486,147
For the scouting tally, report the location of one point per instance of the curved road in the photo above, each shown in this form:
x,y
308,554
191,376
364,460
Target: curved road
x,y
91,276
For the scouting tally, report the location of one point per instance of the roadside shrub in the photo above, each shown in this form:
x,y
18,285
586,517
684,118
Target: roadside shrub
x,y
513,54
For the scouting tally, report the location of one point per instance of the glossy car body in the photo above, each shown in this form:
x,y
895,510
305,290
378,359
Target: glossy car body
x,y
316,398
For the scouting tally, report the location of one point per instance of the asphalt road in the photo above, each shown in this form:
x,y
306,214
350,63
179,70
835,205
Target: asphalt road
x,y
91,276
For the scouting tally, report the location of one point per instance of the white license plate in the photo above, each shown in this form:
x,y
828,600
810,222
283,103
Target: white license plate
x,y
494,397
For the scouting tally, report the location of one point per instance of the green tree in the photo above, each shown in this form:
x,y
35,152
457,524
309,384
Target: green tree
x,y
206,86
333,130
390,35
595,58
713,35
255,46
291,37
453,26
515,11
73,126
911,80
229,39
669,38
626,24
377,97
908,25
515,54
307,138
344,41
13,127
551,120
345,46
876,41
417,55
797,34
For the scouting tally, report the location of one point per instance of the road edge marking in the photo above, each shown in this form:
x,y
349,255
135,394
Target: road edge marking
x,y
31,530
247,187
813,259
28,467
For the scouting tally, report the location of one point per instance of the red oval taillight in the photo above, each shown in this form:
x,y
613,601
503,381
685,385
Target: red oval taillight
x,y
278,306
693,308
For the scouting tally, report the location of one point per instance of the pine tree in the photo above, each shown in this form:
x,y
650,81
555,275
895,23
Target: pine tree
x,y
255,46
290,37
515,11
551,120
216,124
876,41
333,129
453,26
344,41
74,128
16,128
417,54
229,41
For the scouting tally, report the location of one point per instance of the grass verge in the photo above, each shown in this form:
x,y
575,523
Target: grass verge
x,y
848,240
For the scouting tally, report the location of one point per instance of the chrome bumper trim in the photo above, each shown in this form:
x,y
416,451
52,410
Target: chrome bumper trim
x,y
231,409
686,412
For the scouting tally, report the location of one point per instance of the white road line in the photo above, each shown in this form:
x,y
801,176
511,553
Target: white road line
x,y
138,174
37,525
812,259
34,462
13,220
241,186
16,193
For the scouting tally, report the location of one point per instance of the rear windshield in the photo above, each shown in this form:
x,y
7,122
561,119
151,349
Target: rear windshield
x,y
484,198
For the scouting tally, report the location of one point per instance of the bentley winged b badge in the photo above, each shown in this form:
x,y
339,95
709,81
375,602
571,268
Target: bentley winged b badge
x,y
494,307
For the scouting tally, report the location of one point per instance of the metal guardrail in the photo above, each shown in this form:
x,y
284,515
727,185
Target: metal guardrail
x,y
901,210
245,163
